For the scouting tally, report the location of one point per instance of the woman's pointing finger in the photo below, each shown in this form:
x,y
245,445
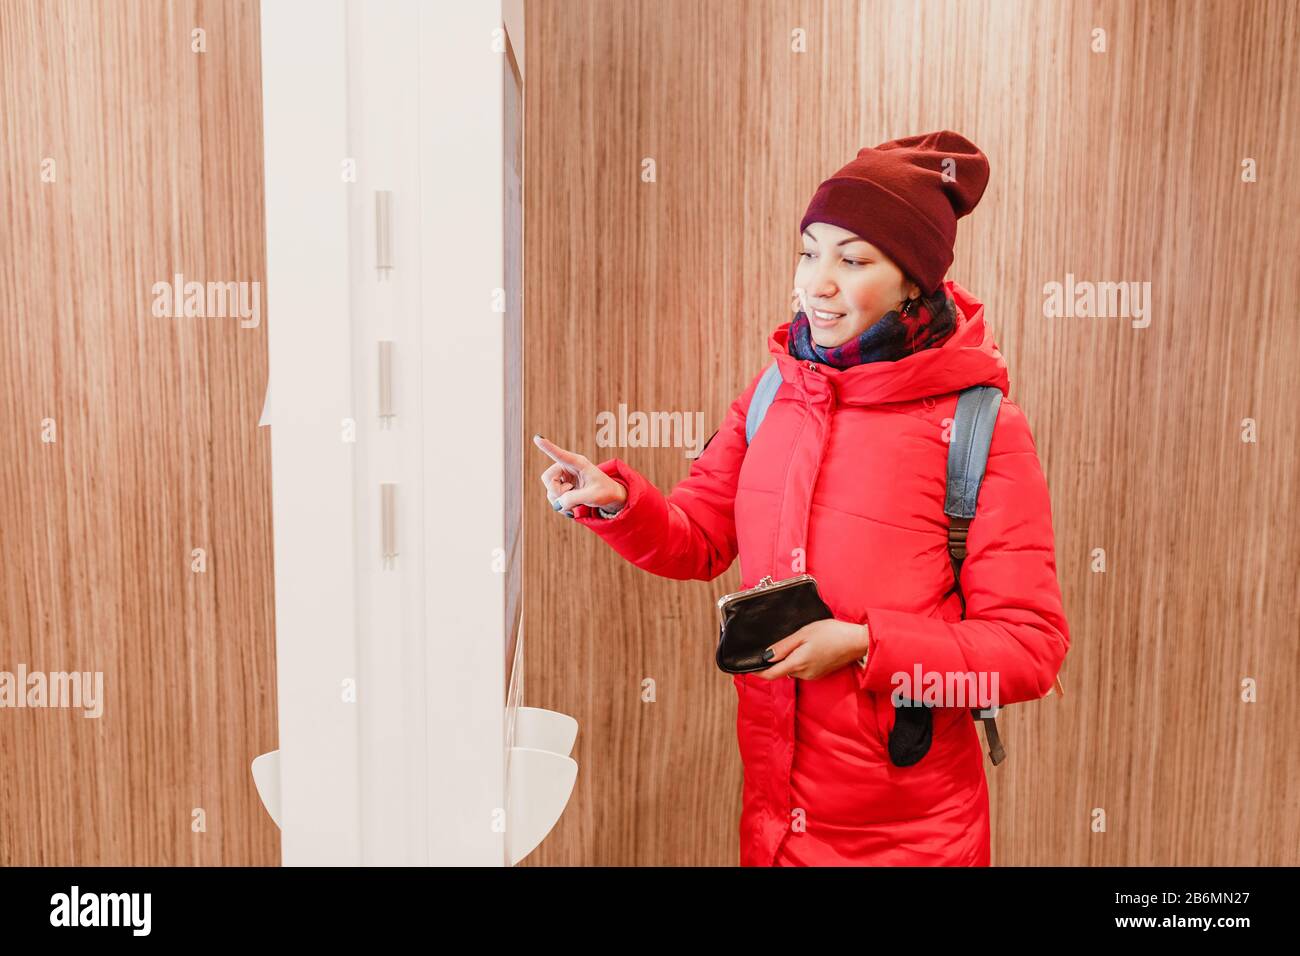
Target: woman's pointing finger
x,y
564,457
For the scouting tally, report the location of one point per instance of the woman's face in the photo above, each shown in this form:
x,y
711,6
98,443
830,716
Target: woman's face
x,y
843,274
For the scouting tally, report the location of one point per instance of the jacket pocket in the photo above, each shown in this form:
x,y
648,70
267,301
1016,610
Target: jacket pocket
x,y
876,713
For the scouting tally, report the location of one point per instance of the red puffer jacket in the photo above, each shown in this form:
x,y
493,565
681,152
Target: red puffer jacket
x,y
846,480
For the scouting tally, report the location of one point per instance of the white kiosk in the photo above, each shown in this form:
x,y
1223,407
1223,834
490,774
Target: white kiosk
x,y
394,220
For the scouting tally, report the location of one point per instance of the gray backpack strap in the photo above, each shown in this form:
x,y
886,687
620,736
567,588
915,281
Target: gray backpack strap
x,y
763,395
968,455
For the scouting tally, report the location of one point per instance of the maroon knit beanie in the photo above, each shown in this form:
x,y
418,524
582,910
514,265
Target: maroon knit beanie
x,y
905,197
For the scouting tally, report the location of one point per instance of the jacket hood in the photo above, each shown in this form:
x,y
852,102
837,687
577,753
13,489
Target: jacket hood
x,y
969,357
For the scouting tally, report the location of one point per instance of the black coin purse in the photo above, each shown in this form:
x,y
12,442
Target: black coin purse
x,y
752,620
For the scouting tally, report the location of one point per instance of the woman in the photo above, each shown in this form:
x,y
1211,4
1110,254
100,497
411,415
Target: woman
x,y
846,481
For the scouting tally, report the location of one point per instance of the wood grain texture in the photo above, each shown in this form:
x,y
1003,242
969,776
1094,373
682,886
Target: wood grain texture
x,y
158,154
1116,166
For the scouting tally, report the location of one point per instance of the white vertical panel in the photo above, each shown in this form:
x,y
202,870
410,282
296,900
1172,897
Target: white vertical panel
x,y
309,340
383,76
462,251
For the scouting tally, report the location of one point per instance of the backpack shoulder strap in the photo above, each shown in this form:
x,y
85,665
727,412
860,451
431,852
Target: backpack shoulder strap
x,y
968,455
763,395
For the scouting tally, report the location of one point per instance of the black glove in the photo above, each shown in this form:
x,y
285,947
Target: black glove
x,y
909,738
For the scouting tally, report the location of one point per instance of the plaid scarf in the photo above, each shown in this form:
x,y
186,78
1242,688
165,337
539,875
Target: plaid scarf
x,y
893,336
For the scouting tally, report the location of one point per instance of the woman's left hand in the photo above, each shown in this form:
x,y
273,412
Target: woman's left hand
x,y
817,649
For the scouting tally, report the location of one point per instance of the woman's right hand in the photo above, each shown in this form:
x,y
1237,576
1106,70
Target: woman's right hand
x,y
574,480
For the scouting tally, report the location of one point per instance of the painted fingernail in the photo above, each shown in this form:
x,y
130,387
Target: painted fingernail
x,y
768,654
555,506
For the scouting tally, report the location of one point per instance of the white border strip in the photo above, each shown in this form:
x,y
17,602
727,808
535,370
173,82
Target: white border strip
x,y
304,114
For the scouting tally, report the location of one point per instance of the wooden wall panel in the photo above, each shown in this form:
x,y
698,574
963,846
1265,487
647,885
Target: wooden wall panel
x,y
158,164
1124,165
